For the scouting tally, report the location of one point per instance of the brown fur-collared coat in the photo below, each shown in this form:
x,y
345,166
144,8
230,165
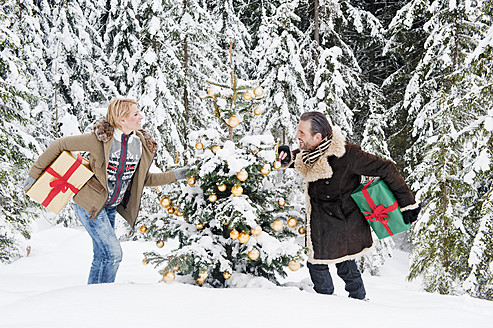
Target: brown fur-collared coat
x,y
336,230
93,195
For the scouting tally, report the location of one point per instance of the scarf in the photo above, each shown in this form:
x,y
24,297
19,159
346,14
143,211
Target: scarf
x,y
311,156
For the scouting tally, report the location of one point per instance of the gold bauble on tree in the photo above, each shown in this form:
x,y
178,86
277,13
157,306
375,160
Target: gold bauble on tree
x,y
165,202
276,165
242,175
234,234
199,146
200,281
191,180
237,190
302,230
243,237
247,96
179,213
143,228
253,254
176,267
145,261
169,276
211,92
292,222
171,210
257,111
199,226
233,121
226,275
258,91
203,274
294,265
221,187
256,231
277,225
281,202
265,169
215,148
160,243
212,198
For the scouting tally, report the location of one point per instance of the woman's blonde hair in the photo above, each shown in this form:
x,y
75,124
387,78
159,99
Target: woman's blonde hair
x,y
117,109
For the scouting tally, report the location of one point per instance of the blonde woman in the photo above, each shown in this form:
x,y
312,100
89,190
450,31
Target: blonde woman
x,y
120,154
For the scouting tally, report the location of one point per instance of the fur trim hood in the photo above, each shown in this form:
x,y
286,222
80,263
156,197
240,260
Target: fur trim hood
x,y
104,132
321,168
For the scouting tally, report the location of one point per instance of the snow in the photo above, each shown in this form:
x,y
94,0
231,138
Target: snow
x,y
47,289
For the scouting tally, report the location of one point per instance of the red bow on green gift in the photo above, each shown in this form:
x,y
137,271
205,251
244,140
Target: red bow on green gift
x,y
378,213
60,184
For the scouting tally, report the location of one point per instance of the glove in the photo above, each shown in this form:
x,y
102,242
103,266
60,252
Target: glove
x,y
286,150
411,215
180,173
28,183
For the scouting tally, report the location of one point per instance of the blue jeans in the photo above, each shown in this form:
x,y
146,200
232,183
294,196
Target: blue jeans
x,y
347,270
106,246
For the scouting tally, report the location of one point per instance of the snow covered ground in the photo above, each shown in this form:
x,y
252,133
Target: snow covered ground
x,y
47,289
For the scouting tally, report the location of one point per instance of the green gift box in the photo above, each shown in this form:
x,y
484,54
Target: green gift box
x,y
380,208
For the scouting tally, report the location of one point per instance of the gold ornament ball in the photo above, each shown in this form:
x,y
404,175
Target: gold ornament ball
x,y
221,187
294,265
191,180
160,243
203,274
237,190
199,226
176,267
169,276
171,210
234,234
276,165
281,202
212,198
165,202
211,92
277,225
292,222
215,149
247,96
253,254
180,213
145,261
258,91
256,231
226,275
200,281
302,230
199,146
243,237
233,121
265,169
242,175
257,111
143,228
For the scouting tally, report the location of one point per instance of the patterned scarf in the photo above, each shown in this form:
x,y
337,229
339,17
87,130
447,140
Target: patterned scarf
x,y
311,156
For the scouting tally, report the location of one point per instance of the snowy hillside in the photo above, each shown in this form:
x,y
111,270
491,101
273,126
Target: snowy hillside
x,y
47,289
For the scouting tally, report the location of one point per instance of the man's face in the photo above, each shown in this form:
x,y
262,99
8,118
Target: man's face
x,y
133,121
308,141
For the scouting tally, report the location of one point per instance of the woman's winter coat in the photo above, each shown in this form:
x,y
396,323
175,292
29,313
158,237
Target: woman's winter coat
x,y
93,195
336,229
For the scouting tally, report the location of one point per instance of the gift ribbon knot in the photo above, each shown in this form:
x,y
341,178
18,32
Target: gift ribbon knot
x,y
378,213
61,184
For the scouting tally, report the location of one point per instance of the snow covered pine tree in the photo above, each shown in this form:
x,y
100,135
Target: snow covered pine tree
x,y
230,219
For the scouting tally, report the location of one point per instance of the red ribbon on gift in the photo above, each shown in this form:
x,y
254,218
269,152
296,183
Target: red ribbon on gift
x,y
60,184
379,213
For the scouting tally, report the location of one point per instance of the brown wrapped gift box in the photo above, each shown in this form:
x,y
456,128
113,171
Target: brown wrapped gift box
x,y
60,182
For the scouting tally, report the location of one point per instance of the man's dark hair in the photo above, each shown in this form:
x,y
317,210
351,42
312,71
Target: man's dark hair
x,y
319,123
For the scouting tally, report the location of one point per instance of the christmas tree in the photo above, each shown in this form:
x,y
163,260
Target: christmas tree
x,y
230,217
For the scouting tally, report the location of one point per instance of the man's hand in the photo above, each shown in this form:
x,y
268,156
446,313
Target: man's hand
x,y
284,154
411,215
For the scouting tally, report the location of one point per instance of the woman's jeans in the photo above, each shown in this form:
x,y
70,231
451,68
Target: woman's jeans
x,y
106,247
347,270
